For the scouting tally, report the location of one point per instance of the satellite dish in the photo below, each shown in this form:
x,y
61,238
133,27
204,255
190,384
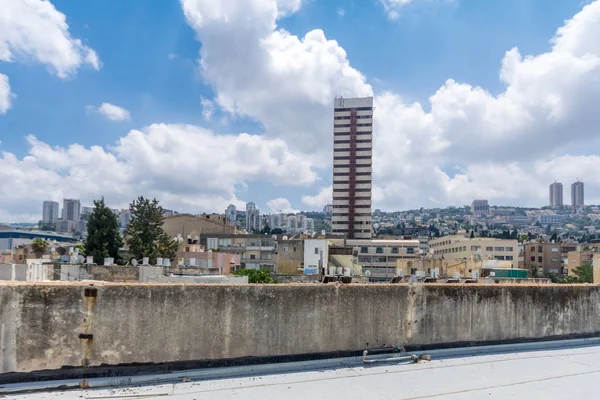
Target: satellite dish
x,y
80,258
134,262
61,251
368,273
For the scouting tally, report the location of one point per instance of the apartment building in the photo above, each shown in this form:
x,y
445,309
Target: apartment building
x,y
50,212
378,258
480,207
352,167
549,257
583,255
556,195
71,210
255,251
577,194
253,218
461,246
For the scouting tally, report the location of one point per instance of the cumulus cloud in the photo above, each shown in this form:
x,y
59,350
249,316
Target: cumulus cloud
x,y
257,70
186,167
111,112
472,143
324,197
5,94
281,205
35,30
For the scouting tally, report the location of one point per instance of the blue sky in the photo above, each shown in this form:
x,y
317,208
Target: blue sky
x,y
150,54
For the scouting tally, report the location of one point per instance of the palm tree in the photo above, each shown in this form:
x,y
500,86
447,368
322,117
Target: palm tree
x,y
39,246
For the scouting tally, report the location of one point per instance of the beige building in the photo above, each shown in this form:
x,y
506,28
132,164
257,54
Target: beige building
x,y
579,257
549,257
194,225
378,258
290,256
460,246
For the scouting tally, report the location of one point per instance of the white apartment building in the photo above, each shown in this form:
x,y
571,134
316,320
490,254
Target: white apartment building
x,y
253,218
552,219
352,167
50,212
460,246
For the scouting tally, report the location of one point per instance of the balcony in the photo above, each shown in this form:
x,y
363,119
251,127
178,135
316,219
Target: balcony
x,y
258,261
260,248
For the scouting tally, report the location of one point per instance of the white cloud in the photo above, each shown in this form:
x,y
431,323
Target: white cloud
x,y
186,167
172,56
208,108
5,94
319,200
281,205
341,12
474,144
111,112
35,30
257,70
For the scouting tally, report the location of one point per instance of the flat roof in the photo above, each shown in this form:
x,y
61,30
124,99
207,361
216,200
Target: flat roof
x,y
552,373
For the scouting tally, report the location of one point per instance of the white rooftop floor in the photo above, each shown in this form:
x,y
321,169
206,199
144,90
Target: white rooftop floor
x,y
572,373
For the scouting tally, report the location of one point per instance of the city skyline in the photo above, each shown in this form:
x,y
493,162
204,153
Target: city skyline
x,y
136,116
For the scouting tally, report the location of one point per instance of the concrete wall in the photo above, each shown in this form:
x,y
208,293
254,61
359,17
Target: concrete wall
x,y
50,325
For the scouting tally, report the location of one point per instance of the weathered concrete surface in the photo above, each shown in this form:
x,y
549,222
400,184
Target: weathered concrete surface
x,y
47,326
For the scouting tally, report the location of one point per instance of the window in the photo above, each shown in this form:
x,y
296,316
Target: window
x,y
379,250
509,249
499,257
532,248
394,250
475,248
540,249
498,248
252,257
489,248
285,249
540,259
294,249
364,250
410,250
532,258
555,249
509,258
316,250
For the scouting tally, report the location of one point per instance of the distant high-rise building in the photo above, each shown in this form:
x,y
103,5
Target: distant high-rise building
x,y
556,195
124,218
352,157
71,210
480,207
50,212
577,194
328,209
231,214
253,219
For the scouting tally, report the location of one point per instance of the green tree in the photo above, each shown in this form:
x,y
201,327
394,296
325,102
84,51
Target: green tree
x,y
80,246
145,235
472,235
255,275
39,246
534,270
584,273
523,237
103,237
266,229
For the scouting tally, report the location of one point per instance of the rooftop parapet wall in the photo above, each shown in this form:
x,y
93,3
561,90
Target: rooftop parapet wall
x,y
48,326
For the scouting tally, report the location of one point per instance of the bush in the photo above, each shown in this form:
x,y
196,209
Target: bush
x,y
255,275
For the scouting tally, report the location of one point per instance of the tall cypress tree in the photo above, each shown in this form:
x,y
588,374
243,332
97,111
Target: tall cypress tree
x,y
103,237
145,235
